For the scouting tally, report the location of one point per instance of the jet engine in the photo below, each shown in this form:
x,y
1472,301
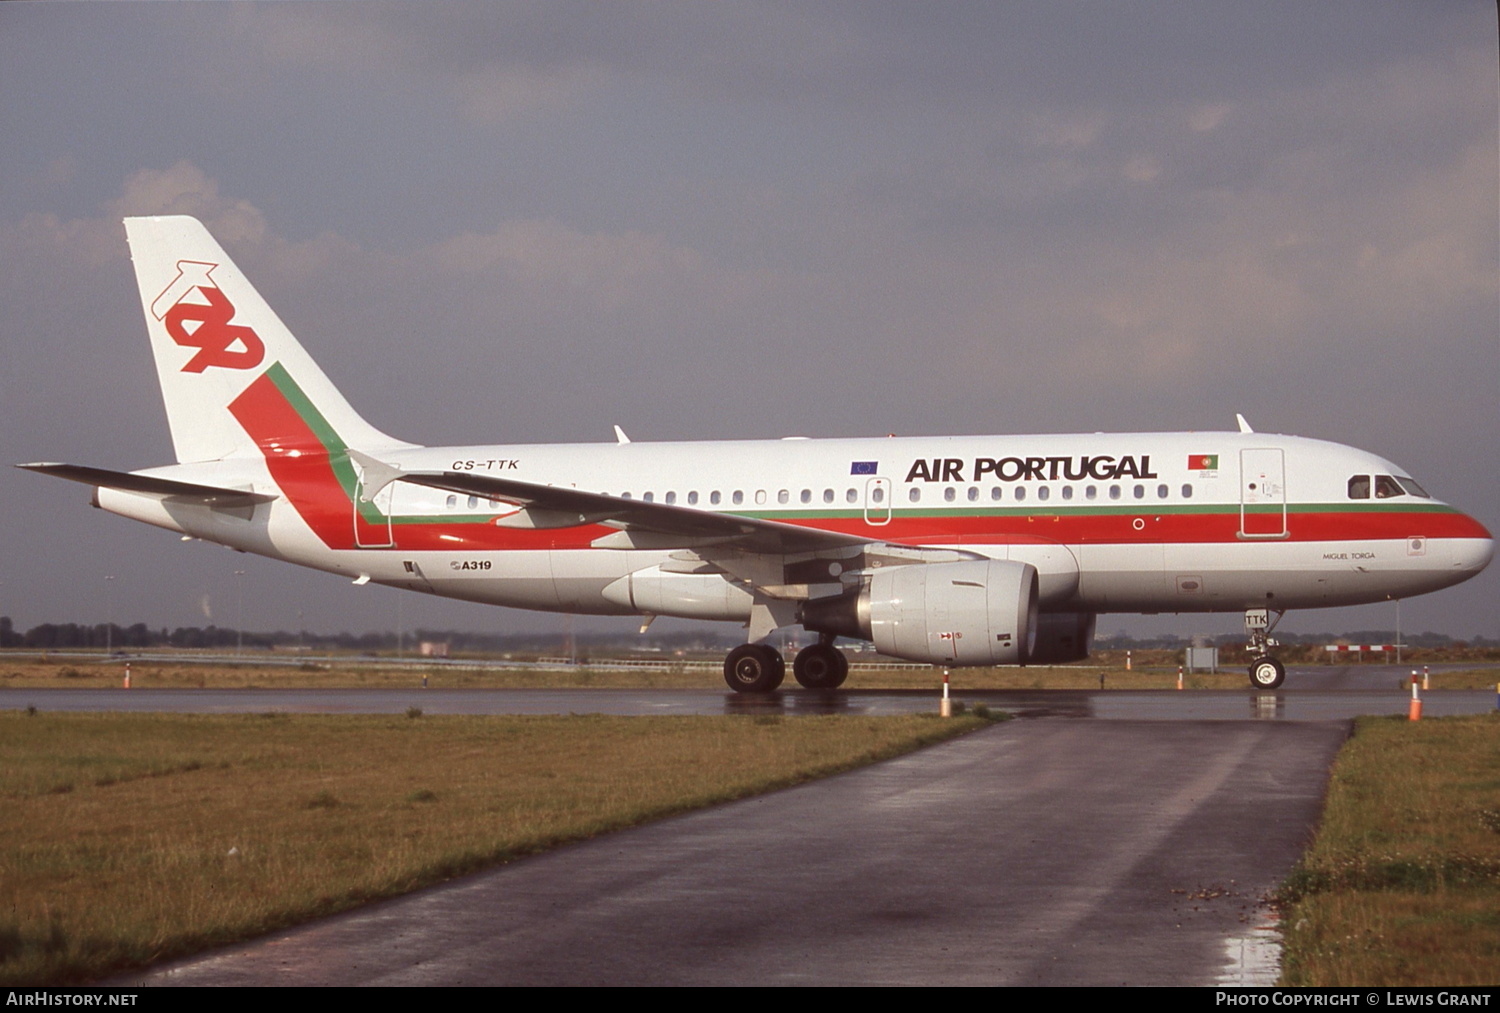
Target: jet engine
x,y
975,612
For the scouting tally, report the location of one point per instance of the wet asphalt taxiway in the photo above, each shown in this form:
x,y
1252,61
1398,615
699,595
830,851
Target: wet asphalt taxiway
x,y
1062,849
1310,694
1033,852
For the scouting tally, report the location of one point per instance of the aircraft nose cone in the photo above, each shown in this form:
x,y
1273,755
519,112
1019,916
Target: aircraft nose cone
x,y
1473,551
1476,555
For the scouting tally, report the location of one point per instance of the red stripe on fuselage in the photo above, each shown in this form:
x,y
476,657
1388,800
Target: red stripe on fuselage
x,y
297,460
300,465
1079,529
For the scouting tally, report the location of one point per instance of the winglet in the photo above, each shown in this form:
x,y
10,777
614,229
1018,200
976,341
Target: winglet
x,y
620,436
1244,426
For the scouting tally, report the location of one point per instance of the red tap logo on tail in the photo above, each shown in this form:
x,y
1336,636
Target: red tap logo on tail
x,y
206,325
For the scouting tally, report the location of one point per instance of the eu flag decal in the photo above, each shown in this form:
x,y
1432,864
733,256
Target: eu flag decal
x,y
863,467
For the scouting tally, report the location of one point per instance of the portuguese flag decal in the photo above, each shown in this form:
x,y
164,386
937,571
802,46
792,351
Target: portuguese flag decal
x,y
1203,462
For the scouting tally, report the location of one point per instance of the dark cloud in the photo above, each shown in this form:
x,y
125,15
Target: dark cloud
x,y
528,222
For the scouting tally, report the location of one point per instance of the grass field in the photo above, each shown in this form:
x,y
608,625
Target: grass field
x,y
130,838
1402,885
126,839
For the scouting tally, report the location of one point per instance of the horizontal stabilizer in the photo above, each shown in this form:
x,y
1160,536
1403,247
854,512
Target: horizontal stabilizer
x,y
130,482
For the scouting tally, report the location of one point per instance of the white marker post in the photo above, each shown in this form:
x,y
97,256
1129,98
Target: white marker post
x,y
945,708
1415,711
127,675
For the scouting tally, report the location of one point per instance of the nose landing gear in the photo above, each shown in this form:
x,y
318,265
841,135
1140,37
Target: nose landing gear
x,y
1265,671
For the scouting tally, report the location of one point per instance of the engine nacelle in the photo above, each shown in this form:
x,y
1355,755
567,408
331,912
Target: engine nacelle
x,y
975,612
1062,637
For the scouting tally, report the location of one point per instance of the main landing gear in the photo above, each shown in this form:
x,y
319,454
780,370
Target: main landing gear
x,y
759,668
1265,671
754,668
821,666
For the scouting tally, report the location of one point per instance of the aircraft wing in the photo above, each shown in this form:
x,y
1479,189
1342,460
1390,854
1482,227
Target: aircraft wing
x,y
131,482
653,525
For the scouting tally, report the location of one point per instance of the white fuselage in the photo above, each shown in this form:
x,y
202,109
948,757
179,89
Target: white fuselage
x,y
1112,522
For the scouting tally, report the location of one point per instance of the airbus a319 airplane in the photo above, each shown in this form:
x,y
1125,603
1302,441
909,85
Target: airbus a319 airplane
x,y
974,550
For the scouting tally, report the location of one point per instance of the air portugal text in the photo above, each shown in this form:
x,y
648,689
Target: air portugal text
x,y
1104,467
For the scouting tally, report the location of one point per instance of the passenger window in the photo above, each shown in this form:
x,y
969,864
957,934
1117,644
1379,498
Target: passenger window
x,y
827,495
473,502
1161,492
1187,490
949,495
995,493
1386,487
671,497
914,494
877,495
1045,492
1067,492
807,495
738,497
973,493
1139,492
1359,487
648,496
452,502
693,498
852,496
1114,492
1020,492
714,498
783,497
624,495
1090,492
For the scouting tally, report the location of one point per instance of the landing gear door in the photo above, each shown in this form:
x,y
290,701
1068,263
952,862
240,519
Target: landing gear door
x,y
878,501
1262,493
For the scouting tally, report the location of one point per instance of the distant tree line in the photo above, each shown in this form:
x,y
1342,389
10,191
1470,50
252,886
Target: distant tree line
x,y
138,636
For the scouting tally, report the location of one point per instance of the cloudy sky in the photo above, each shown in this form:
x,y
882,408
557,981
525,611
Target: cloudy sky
x,y
526,222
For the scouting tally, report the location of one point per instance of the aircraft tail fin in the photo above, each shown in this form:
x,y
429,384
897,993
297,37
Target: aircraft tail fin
x,y
235,380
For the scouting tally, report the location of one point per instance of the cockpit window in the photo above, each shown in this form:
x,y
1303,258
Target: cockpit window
x,y
1359,487
1412,487
1386,487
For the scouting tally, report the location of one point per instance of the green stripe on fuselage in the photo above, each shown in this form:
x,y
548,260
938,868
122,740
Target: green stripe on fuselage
x,y
333,444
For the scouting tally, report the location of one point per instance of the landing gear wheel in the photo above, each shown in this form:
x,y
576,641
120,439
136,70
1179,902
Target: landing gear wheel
x,y
754,668
1266,673
820,666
